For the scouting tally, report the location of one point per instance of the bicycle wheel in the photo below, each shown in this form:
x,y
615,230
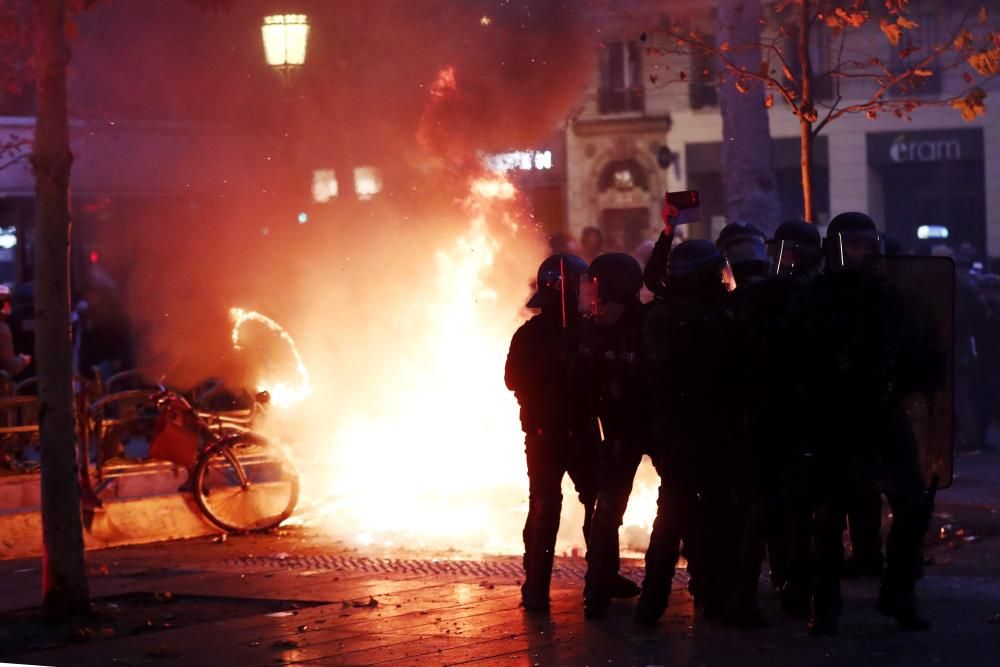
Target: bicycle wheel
x,y
244,484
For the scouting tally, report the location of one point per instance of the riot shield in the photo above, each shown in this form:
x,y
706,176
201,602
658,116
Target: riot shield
x,y
917,312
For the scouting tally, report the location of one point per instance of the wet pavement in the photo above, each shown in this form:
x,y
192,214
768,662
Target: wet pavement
x,y
297,597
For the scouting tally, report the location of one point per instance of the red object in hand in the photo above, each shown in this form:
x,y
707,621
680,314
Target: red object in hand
x,y
668,213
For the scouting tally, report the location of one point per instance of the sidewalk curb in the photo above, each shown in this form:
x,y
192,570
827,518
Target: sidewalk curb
x,y
118,523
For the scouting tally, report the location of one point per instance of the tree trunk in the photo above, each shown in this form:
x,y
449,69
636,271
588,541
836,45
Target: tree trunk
x,y
747,171
65,590
807,113
806,163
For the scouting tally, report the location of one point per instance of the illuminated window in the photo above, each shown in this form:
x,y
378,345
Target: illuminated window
x,y
324,187
367,182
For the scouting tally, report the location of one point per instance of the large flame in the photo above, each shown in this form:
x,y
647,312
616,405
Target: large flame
x,y
410,436
438,460
283,393
434,457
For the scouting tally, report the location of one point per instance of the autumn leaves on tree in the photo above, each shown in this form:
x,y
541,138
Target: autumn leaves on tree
x,y
824,60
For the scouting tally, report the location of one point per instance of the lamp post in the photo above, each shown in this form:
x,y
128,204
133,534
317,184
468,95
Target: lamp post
x,y
285,37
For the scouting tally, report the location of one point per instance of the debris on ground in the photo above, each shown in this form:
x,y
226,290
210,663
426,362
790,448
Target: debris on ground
x,y
954,536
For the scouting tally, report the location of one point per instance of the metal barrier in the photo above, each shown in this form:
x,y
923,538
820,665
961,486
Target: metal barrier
x,y
18,431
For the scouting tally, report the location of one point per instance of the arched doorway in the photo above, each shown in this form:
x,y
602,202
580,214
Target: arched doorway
x,y
623,195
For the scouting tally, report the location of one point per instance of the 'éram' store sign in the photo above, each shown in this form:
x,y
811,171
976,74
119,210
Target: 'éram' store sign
x,y
887,149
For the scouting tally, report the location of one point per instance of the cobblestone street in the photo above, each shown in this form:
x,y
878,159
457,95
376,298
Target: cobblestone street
x,y
346,607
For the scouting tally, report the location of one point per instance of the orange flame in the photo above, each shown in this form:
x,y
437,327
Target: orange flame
x,y
433,456
282,394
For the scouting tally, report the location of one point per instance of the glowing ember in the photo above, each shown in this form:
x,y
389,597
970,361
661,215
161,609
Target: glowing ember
x,y
444,85
282,394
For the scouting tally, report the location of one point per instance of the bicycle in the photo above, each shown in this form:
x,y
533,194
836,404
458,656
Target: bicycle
x,y
241,481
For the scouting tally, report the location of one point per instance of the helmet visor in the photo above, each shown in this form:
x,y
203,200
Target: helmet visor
x,y
849,248
595,304
788,258
728,277
588,303
747,248
551,291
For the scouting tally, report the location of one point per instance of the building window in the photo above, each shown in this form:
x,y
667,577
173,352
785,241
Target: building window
x,y
621,88
819,56
915,45
704,79
324,186
367,182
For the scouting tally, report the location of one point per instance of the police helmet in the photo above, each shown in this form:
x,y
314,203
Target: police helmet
x,y
549,281
693,257
742,242
795,249
697,264
617,277
850,238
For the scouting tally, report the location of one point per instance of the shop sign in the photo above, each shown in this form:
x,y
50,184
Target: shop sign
x,y
519,160
898,148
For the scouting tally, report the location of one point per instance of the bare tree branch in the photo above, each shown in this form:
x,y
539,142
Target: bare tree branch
x,y
12,162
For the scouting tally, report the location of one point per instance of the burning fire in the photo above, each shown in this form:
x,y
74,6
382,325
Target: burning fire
x,y
493,188
426,449
410,436
438,460
283,394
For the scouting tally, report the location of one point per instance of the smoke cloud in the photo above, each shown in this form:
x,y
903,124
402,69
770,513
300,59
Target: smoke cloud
x,y
402,306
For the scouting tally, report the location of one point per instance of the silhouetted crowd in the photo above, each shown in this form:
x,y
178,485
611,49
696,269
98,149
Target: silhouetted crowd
x,y
780,387
977,357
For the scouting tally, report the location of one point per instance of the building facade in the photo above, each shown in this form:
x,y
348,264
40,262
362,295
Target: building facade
x,y
633,139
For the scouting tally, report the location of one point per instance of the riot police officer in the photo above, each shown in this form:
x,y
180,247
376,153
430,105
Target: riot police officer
x,y
610,350
686,339
777,407
764,444
558,439
743,246
857,382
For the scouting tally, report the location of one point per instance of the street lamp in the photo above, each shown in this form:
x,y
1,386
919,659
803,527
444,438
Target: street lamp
x,y
285,37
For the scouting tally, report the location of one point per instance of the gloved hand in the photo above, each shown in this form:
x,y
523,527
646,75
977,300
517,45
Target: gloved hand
x,y
669,213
